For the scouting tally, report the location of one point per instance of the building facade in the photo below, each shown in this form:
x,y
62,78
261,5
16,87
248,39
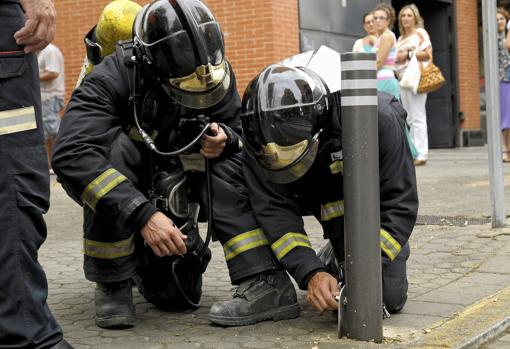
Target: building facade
x,y
260,32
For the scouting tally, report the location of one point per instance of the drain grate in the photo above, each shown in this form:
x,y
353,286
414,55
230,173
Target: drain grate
x,y
458,221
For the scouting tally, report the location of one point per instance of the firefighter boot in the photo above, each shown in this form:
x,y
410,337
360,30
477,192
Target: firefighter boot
x,y
114,305
62,345
268,295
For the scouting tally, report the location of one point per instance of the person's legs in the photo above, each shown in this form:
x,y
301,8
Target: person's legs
x,y
265,290
25,319
109,261
417,121
51,123
395,284
246,248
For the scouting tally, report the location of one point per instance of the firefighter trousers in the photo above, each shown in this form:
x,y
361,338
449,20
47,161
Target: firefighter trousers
x,y
25,319
246,249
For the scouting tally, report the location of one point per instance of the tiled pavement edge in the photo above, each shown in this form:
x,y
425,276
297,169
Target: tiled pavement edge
x,y
452,270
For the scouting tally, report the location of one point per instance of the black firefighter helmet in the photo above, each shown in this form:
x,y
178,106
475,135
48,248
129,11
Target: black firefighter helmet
x,y
284,111
181,44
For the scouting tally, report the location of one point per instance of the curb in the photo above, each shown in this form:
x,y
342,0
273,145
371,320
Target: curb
x,y
489,313
487,335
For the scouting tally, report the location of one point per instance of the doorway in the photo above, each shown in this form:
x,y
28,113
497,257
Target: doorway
x,y
442,105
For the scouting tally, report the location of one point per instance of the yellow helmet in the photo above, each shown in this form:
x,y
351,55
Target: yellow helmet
x,y
115,24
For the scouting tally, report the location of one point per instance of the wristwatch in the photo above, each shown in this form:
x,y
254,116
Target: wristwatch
x,y
409,54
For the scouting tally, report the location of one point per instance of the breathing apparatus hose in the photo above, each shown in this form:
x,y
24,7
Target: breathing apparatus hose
x,y
150,144
205,245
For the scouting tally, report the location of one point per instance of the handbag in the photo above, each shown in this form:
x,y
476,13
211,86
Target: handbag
x,y
431,79
411,76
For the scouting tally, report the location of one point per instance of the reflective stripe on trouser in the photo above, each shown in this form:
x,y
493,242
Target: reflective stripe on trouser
x,y
101,185
234,225
244,242
108,249
17,120
288,242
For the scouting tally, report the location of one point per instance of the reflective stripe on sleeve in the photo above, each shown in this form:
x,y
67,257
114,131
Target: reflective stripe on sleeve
x,y
336,167
389,245
244,242
100,186
288,242
17,120
332,210
109,250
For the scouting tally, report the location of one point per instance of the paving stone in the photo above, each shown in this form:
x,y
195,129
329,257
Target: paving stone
x,y
497,264
431,308
458,294
412,321
486,278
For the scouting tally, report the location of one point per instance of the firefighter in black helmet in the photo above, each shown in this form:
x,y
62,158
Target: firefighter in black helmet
x,y
126,152
293,161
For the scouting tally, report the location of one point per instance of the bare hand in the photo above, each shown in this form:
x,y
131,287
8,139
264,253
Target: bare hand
x,y
212,146
39,27
401,56
163,237
322,290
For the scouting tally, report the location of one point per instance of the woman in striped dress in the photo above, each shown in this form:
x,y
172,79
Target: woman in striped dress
x,y
386,50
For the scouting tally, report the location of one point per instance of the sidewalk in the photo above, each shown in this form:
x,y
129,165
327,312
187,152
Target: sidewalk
x,y
459,275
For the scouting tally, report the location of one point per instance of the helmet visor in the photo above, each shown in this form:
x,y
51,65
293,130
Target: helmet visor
x,y
284,165
173,53
202,89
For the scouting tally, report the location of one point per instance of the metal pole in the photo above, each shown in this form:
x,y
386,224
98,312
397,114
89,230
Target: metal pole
x,y
490,52
361,309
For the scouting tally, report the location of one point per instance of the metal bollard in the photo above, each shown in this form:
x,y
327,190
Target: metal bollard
x,y
360,304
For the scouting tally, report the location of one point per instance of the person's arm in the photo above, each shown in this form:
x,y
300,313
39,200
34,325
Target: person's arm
x,y
39,27
82,161
385,45
507,40
321,292
424,55
358,46
226,135
48,75
424,51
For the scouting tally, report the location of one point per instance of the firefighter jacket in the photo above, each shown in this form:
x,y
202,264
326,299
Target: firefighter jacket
x,y
279,207
101,108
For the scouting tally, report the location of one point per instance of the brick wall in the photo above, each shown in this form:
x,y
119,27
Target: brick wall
x,y
468,64
74,20
256,33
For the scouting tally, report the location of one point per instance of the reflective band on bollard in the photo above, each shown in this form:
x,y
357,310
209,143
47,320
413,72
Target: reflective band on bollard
x,y
361,301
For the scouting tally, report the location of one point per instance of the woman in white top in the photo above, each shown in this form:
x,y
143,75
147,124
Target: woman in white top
x,y
366,43
414,41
